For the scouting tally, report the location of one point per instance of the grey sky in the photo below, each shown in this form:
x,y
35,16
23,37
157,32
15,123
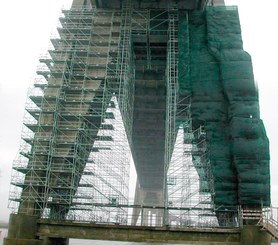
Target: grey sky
x,y
25,31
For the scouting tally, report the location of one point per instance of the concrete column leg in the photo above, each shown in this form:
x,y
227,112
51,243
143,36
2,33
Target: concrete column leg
x,y
159,217
148,197
137,201
135,216
22,230
254,235
145,221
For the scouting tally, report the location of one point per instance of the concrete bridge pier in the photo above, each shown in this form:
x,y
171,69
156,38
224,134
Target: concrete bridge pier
x,y
254,235
23,229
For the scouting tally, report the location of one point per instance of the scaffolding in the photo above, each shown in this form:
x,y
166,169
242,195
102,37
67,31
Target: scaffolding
x,y
189,177
73,162
189,180
74,151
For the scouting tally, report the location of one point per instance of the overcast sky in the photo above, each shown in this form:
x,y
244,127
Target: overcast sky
x,y
26,26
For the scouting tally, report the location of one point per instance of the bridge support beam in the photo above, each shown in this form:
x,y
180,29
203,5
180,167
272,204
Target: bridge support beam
x,y
22,230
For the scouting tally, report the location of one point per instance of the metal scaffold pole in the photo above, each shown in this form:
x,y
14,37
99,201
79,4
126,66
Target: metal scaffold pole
x,y
171,97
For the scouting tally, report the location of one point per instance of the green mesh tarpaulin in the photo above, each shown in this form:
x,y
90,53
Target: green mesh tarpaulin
x,y
218,75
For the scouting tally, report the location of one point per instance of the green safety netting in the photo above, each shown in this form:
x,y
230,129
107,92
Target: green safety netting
x,y
217,73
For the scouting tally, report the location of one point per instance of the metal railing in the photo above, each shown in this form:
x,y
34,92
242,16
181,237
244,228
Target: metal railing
x,y
269,221
150,216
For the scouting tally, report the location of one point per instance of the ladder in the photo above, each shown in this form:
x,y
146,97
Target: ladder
x,y
172,82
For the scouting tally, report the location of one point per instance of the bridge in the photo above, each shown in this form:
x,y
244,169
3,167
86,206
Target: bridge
x,y
166,83
49,231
